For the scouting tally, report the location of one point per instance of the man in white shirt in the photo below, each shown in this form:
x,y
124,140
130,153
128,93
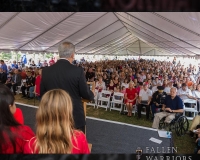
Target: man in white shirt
x,y
185,93
190,75
168,87
143,76
156,81
100,84
144,100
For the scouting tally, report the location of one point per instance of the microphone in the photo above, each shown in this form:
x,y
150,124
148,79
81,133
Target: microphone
x,y
138,153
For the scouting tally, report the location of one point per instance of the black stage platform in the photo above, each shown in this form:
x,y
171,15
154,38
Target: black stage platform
x,y
111,137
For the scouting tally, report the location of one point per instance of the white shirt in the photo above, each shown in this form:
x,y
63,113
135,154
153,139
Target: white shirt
x,y
102,85
154,89
167,90
125,85
192,78
196,94
185,93
156,83
142,77
145,94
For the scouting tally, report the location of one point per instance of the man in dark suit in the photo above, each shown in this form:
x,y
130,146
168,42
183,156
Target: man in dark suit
x,y
16,80
30,82
70,78
3,77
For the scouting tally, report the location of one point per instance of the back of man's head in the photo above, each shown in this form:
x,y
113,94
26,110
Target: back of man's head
x,y
66,49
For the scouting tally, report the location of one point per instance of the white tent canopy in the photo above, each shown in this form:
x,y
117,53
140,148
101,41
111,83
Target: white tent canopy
x,y
102,33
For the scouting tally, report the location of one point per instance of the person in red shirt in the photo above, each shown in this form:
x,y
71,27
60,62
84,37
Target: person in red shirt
x,y
55,133
130,98
13,135
37,84
51,62
23,74
45,64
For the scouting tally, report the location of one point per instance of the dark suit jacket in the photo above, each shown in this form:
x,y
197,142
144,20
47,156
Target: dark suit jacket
x,y
70,78
18,79
3,77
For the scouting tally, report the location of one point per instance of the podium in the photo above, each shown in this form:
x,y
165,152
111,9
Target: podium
x,y
85,101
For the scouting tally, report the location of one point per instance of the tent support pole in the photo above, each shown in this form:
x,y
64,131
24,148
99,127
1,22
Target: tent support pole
x,y
140,48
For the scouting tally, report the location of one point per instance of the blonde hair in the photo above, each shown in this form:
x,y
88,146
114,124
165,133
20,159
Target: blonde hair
x,y
54,123
131,82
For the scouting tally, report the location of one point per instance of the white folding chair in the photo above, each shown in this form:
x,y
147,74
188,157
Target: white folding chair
x,y
143,112
133,111
95,99
104,97
193,109
117,99
18,88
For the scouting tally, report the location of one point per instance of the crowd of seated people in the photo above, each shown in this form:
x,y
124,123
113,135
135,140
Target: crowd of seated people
x,y
115,74
145,84
158,86
26,79
147,76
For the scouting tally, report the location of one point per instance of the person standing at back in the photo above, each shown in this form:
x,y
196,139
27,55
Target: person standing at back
x,y
64,75
4,66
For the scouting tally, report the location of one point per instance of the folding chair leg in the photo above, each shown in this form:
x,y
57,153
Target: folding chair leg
x,y
121,108
98,104
107,107
94,104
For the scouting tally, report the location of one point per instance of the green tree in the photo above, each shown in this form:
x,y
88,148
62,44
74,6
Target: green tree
x,y
5,56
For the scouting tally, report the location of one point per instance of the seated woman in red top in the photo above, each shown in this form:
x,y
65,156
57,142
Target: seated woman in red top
x,y
130,98
13,135
55,133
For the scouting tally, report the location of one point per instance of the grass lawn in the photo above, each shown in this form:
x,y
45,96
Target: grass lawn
x,y
184,144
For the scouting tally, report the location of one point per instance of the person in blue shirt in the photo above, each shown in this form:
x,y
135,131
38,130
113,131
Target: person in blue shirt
x,y
4,67
172,105
14,65
23,60
39,65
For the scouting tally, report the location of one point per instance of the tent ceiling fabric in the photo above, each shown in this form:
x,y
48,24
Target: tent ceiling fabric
x,y
102,33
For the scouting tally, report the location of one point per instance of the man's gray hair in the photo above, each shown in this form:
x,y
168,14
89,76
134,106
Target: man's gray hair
x,y
66,49
174,88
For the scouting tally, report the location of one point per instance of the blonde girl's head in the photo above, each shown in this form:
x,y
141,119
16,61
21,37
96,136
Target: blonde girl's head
x,y
54,123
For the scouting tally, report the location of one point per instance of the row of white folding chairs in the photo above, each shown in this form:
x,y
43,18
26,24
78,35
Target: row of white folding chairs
x,y
193,109
102,99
